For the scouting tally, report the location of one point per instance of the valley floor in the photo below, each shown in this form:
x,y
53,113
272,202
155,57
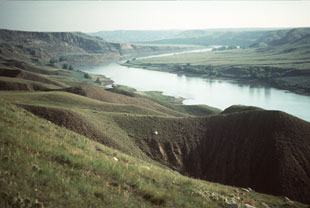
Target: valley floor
x,y
269,66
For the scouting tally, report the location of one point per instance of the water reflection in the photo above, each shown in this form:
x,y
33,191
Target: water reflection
x,y
267,93
217,93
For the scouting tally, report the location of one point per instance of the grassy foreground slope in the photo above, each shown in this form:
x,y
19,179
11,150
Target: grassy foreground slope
x,y
43,164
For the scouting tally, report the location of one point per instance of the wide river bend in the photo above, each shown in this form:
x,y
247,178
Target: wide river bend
x,y
217,93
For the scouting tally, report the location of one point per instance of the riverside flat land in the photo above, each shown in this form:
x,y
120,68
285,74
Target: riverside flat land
x,y
238,57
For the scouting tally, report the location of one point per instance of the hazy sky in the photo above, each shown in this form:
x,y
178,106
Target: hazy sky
x,y
91,16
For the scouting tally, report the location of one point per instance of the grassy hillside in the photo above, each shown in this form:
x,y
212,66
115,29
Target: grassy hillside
x,y
43,164
86,107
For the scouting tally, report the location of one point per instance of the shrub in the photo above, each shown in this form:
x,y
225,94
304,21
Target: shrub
x,y
53,61
87,76
61,59
98,80
65,66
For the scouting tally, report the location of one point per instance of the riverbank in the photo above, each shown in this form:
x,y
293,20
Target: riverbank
x,y
243,66
297,84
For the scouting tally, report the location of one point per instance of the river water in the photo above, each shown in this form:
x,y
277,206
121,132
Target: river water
x,y
217,93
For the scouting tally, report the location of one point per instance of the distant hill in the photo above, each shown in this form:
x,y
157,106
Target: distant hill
x,y
240,37
67,46
231,37
294,37
132,36
243,38
68,40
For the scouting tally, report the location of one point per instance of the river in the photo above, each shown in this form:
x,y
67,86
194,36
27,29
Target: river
x,y
217,93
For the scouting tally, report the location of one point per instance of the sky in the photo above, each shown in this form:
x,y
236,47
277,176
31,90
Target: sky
x,y
93,16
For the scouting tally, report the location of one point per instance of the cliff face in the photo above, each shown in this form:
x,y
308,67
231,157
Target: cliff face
x,y
73,47
82,41
43,45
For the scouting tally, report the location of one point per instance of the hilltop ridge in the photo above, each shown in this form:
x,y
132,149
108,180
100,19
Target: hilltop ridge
x,y
72,47
205,37
295,37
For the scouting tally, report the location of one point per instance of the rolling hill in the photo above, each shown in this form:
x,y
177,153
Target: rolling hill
x,y
235,37
132,36
45,165
294,37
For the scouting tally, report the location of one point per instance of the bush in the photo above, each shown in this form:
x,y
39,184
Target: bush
x,y
98,80
65,66
87,76
53,61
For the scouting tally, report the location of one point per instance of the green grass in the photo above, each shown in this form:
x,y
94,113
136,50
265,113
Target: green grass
x,y
159,96
241,57
170,102
30,83
95,117
44,164
184,46
154,95
166,104
71,101
196,110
